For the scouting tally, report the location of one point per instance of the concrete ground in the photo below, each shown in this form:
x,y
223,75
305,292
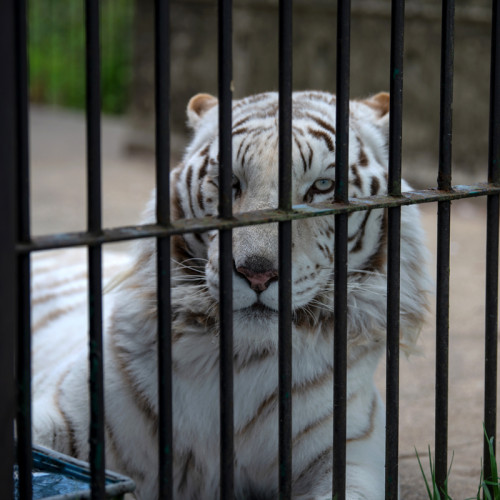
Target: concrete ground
x,y
58,204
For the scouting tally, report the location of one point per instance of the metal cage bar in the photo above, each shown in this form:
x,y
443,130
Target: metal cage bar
x,y
443,247
93,107
285,250
23,358
225,250
442,343
162,141
8,283
127,233
341,237
492,243
393,250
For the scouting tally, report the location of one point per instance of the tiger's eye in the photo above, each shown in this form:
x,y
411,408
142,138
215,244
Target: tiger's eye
x,y
235,182
236,186
323,185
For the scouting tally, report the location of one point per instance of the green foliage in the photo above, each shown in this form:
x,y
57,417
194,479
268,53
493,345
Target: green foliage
x,y
56,51
431,486
488,489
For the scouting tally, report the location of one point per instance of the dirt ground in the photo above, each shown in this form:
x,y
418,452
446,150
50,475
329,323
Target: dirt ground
x,y
58,204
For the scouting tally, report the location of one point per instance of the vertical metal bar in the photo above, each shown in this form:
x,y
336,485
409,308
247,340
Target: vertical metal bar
x,y
8,283
446,101
392,369
23,359
396,96
285,250
491,316
225,250
164,371
162,104
491,331
97,455
341,253
442,337
494,125
162,109
443,247
23,423
93,104
22,121
393,254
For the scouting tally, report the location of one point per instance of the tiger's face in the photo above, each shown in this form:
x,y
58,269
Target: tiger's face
x,y
255,187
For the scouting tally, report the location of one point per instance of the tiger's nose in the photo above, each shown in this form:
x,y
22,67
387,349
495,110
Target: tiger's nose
x,y
259,272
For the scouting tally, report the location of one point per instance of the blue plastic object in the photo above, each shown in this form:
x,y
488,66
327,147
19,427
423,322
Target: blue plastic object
x,y
60,477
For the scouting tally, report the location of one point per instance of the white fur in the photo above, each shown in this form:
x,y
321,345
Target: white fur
x,y
60,365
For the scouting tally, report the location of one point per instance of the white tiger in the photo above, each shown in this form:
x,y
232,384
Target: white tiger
x,y
61,413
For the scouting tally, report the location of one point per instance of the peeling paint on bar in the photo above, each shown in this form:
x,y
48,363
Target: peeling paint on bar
x,y
126,233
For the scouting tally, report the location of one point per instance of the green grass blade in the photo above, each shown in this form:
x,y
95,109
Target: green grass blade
x,y
486,492
493,480
423,475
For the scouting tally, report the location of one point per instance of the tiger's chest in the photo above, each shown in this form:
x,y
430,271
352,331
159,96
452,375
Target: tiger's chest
x,y
256,408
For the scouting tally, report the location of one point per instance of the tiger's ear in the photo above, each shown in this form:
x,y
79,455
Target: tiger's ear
x,y
198,106
380,104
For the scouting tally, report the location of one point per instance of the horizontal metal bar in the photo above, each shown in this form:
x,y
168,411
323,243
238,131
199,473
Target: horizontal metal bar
x,y
125,233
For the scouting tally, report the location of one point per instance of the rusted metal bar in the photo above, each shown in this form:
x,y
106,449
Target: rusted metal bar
x,y
126,233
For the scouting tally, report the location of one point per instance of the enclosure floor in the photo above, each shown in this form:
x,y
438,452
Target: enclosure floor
x,y
58,204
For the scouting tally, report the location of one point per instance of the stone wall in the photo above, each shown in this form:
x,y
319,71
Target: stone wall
x,y
255,68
